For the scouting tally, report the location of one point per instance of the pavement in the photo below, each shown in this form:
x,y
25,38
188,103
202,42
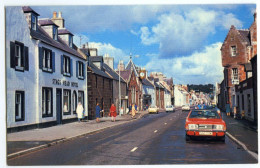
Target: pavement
x,y
242,132
19,143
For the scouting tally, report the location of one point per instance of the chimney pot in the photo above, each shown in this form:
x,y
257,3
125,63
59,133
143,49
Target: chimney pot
x,y
59,14
54,14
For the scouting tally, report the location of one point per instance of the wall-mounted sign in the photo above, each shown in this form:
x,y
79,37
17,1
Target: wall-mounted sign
x,y
64,83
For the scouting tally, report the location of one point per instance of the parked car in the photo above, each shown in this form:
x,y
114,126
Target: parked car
x,y
153,109
205,123
170,108
185,107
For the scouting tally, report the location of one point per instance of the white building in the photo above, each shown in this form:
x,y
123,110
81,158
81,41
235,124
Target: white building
x,y
167,94
45,72
148,92
180,96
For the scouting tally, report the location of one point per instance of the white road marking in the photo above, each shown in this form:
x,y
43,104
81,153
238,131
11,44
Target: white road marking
x,y
165,123
134,149
155,131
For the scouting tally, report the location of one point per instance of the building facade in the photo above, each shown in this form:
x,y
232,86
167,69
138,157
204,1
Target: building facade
x,y
45,72
237,50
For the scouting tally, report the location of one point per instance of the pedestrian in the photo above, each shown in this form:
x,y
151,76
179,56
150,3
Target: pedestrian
x,y
79,111
136,108
113,112
147,106
133,110
130,108
98,110
228,109
235,112
65,107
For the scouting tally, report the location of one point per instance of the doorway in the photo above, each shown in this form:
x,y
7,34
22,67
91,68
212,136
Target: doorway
x,y
58,106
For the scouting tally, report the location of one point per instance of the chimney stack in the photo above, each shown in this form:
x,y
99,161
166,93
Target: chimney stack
x,y
54,14
60,14
255,14
58,20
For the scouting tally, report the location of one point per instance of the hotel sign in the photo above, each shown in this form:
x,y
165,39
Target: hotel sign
x,y
64,83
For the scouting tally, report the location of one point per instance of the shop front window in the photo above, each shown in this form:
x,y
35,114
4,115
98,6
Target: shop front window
x,y
66,102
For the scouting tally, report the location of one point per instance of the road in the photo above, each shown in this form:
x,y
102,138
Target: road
x,y
154,139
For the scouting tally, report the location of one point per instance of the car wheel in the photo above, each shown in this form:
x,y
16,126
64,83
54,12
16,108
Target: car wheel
x,y
187,137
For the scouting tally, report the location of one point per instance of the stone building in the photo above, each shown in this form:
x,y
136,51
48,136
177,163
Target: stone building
x,y
237,50
100,84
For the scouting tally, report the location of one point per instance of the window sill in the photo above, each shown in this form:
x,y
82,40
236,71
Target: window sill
x,y
47,70
47,115
21,119
66,74
67,113
18,68
81,77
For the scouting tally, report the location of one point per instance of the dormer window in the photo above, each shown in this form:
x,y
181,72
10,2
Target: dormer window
x,y
34,22
55,33
70,41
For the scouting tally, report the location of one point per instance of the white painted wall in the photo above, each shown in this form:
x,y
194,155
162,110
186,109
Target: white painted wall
x,y
32,81
17,30
151,91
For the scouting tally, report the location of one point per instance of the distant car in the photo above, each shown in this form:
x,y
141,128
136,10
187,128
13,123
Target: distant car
x,y
153,109
185,107
205,123
170,108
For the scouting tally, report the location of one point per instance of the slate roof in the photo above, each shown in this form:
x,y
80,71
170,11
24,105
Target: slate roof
x,y
97,71
46,22
96,58
112,73
147,82
64,31
40,34
245,35
125,74
27,9
131,64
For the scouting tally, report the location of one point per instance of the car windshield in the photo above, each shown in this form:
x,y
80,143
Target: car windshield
x,y
153,107
168,106
204,114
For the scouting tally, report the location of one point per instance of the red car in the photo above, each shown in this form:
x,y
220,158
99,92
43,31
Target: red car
x,y
205,123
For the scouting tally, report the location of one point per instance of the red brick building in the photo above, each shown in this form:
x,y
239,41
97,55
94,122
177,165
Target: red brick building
x,y
133,90
237,50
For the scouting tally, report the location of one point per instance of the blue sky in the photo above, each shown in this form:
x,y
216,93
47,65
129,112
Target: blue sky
x,y
182,41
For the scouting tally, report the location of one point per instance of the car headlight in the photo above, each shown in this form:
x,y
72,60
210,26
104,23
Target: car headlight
x,y
218,127
193,126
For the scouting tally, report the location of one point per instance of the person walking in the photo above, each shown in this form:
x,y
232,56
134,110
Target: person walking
x,y
98,110
133,110
113,112
79,111
130,108
228,109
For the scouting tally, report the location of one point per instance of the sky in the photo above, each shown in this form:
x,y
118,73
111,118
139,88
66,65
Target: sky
x,y
181,41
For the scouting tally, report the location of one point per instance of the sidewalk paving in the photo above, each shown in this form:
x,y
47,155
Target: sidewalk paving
x,y
44,137
244,131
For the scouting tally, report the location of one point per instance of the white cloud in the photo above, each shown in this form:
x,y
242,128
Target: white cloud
x,y
181,34
91,18
107,48
197,68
